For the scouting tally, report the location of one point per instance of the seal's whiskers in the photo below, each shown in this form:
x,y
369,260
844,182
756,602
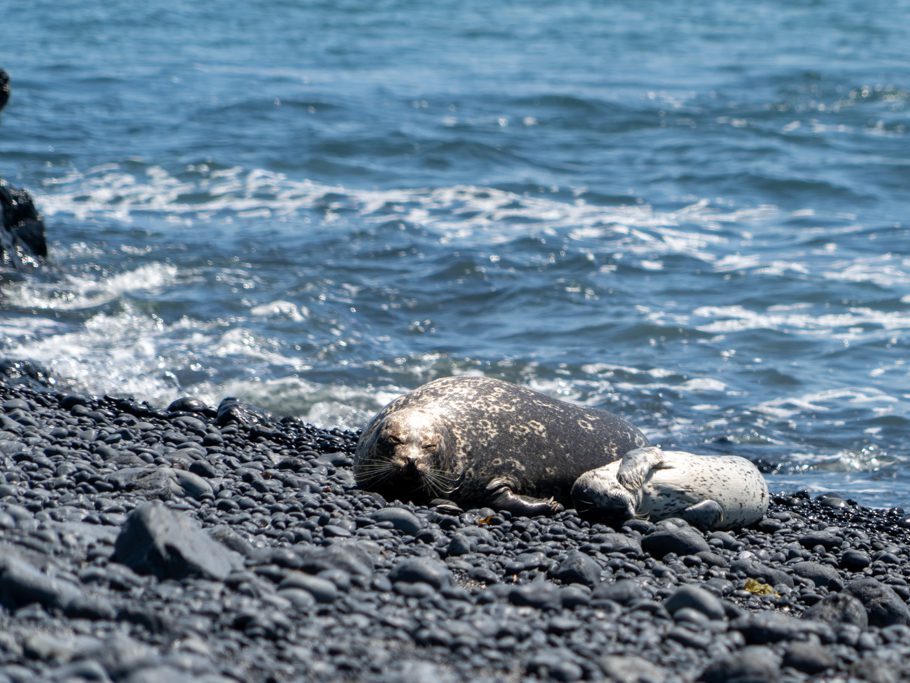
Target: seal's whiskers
x,y
439,483
375,472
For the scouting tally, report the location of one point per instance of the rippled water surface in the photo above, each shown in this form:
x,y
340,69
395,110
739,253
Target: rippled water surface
x,y
693,214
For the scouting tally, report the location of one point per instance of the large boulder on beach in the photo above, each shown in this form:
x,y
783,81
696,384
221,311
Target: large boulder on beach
x,y
170,545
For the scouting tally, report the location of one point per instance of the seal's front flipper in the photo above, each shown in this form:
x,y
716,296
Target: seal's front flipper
x,y
637,465
707,515
524,506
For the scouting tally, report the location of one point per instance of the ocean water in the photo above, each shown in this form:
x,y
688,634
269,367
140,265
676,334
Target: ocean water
x,y
692,214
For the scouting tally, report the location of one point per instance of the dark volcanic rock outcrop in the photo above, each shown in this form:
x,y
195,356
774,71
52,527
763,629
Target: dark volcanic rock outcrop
x,y
4,88
21,228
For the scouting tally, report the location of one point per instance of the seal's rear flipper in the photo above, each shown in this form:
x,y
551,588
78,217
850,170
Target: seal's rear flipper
x,y
636,466
525,506
708,514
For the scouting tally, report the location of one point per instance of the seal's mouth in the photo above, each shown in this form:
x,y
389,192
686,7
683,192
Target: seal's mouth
x,y
601,512
584,505
410,477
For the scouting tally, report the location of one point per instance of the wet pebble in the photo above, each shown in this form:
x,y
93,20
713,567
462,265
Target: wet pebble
x,y
839,609
322,589
538,594
809,657
882,604
400,519
680,540
822,575
755,664
855,560
622,592
698,599
578,567
421,570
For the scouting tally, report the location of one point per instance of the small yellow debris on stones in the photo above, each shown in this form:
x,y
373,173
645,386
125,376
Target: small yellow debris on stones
x,y
758,588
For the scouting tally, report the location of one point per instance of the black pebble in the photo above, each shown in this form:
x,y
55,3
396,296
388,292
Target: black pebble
x,y
837,609
680,540
698,599
809,657
421,570
578,567
754,664
882,604
855,560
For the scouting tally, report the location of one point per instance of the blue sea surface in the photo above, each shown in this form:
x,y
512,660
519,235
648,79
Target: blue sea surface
x,y
692,214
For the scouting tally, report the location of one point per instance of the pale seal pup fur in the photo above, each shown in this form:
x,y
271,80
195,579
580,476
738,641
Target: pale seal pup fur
x,y
484,442
708,491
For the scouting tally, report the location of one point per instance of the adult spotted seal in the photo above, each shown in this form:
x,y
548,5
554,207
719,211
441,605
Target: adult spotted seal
x,y
483,442
712,492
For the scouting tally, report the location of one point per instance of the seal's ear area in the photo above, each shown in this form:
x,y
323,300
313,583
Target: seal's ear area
x,y
367,440
446,448
636,466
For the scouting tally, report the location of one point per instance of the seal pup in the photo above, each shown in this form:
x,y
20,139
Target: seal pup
x,y
483,442
708,491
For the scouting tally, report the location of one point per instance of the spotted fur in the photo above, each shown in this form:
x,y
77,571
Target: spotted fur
x,y
718,492
496,441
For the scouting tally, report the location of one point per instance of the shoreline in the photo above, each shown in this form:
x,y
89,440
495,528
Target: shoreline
x,y
149,544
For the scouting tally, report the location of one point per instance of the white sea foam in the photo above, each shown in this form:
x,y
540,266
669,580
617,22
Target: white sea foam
x,y
873,400
887,270
457,213
77,292
703,384
110,353
847,325
281,309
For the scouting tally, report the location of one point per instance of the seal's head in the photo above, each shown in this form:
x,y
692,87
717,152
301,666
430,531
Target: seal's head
x,y
597,493
408,454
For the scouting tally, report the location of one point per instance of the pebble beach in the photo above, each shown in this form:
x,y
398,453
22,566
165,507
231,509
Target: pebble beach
x,y
199,543
693,216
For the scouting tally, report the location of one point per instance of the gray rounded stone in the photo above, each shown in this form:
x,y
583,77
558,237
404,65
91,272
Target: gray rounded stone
x,y
822,575
622,592
855,560
696,598
402,520
631,669
421,570
882,604
681,540
838,609
578,567
755,664
808,657
321,589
